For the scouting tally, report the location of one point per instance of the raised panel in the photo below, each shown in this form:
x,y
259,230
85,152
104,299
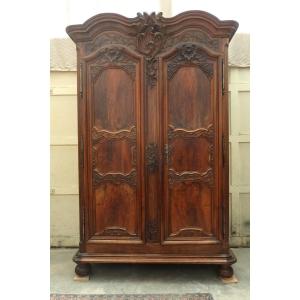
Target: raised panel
x,y
116,207
192,154
190,132
115,155
113,100
189,98
116,109
190,210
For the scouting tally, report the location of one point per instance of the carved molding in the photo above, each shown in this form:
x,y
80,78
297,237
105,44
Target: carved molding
x,y
190,54
110,38
114,231
193,176
113,57
191,232
150,33
207,133
152,157
151,70
116,178
97,134
150,40
152,230
192,36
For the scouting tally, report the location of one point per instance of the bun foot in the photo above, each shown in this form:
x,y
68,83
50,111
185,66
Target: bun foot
x,y
225,271
83,269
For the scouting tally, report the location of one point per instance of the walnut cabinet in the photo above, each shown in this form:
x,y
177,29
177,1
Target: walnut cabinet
x,y
153,139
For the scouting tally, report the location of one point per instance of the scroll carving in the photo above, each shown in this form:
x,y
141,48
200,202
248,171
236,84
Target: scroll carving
x,y
150,40
190,54
114,231
191,232
205,177
109,57
110,38
150,33
192,36
100,135
152,157
97,135
116,178
207,133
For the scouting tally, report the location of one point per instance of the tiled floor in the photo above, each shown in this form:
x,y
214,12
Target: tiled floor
x,y
149,279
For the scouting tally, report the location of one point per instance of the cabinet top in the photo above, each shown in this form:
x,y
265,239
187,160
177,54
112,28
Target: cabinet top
x,y
154,23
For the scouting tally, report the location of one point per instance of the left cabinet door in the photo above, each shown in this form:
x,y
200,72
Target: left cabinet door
x,y
114,145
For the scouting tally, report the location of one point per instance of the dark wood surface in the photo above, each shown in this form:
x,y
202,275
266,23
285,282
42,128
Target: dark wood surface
x,y
153,139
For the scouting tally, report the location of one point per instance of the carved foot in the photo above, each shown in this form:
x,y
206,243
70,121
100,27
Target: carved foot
x,y
83,269
225,271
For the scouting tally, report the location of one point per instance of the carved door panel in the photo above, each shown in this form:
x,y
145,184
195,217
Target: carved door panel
x,y
115,143
190,135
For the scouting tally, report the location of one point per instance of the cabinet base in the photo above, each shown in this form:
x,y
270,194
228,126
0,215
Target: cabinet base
x,y
224,261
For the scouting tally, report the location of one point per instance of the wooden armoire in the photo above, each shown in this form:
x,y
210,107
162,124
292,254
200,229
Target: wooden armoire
x,y
153,139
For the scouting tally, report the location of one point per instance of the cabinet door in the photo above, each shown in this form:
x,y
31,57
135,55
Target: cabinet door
x,y
190,196
114,144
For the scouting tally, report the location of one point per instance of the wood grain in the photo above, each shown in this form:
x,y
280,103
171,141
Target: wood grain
x,y
153,135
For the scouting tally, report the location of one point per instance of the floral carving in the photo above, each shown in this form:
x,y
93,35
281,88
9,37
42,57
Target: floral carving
x,y
109,57
150,40
152,157
190,54
150,33
110,38
194,36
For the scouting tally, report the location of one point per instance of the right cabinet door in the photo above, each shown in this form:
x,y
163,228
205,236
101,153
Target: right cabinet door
x,y
190,85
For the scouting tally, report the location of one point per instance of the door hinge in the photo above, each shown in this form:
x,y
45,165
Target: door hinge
x,y
81,152
80,81
152,157
223,150
223,79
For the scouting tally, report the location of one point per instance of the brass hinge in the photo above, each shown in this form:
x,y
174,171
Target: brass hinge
x,y
223,79
81,151
80,81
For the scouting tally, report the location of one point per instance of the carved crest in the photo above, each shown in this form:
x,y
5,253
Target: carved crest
x,y
150,33
150,40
